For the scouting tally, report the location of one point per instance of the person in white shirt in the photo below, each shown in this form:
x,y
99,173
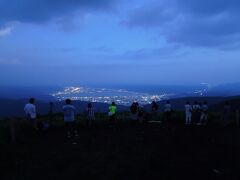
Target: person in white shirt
x,y
69,118
30,110
188,113
167,107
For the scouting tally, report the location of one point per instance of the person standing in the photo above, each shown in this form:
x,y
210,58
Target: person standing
x,y
226,113
69,118
90,115
167,111
204,114
112,112
134,111
141,114
30,110
154,110
188,113
196,112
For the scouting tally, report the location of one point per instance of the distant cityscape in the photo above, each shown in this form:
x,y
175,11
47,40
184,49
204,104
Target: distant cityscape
x,y
124,96
104,95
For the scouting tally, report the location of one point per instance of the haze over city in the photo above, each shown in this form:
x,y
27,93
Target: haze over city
x,y
69,42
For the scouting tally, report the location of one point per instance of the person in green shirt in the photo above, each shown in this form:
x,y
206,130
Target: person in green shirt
x,y
112,112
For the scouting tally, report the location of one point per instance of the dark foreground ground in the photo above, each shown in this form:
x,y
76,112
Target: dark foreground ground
x,y
128,152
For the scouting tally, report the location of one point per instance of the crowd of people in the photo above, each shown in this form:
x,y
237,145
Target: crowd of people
x,y
195,114
69,112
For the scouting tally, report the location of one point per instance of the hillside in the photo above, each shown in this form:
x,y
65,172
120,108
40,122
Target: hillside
x,y
234,102
178,103
125,151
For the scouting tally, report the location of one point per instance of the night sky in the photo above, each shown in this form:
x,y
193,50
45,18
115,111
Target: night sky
x,y
68,42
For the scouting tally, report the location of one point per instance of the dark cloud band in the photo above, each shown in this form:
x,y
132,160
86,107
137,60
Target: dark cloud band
x,y
37,11
191,22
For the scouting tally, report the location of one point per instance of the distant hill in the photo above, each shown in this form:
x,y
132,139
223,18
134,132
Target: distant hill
x,y
14,108
233,101
213,102
12,92
232,89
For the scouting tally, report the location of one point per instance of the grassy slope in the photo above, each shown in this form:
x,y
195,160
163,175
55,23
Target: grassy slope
x,y
127,151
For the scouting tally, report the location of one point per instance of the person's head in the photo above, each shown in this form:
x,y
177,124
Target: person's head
x,y
89,105
195,102
187,102
168,102
205,102
31,100
68,101
113,104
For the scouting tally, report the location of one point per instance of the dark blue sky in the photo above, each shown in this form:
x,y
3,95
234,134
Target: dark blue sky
x,y
59,42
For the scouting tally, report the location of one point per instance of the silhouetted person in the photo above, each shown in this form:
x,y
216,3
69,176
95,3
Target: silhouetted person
x,y
204,114
69,118
134,110
137,105
188,113
30,110
198,113
112,112
140,114
167,111
195,112
154,110
90,115
226,113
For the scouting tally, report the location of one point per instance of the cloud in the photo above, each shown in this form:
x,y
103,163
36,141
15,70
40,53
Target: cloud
x,y
39,11
5,30
206,7
150,16
152,53
191,22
